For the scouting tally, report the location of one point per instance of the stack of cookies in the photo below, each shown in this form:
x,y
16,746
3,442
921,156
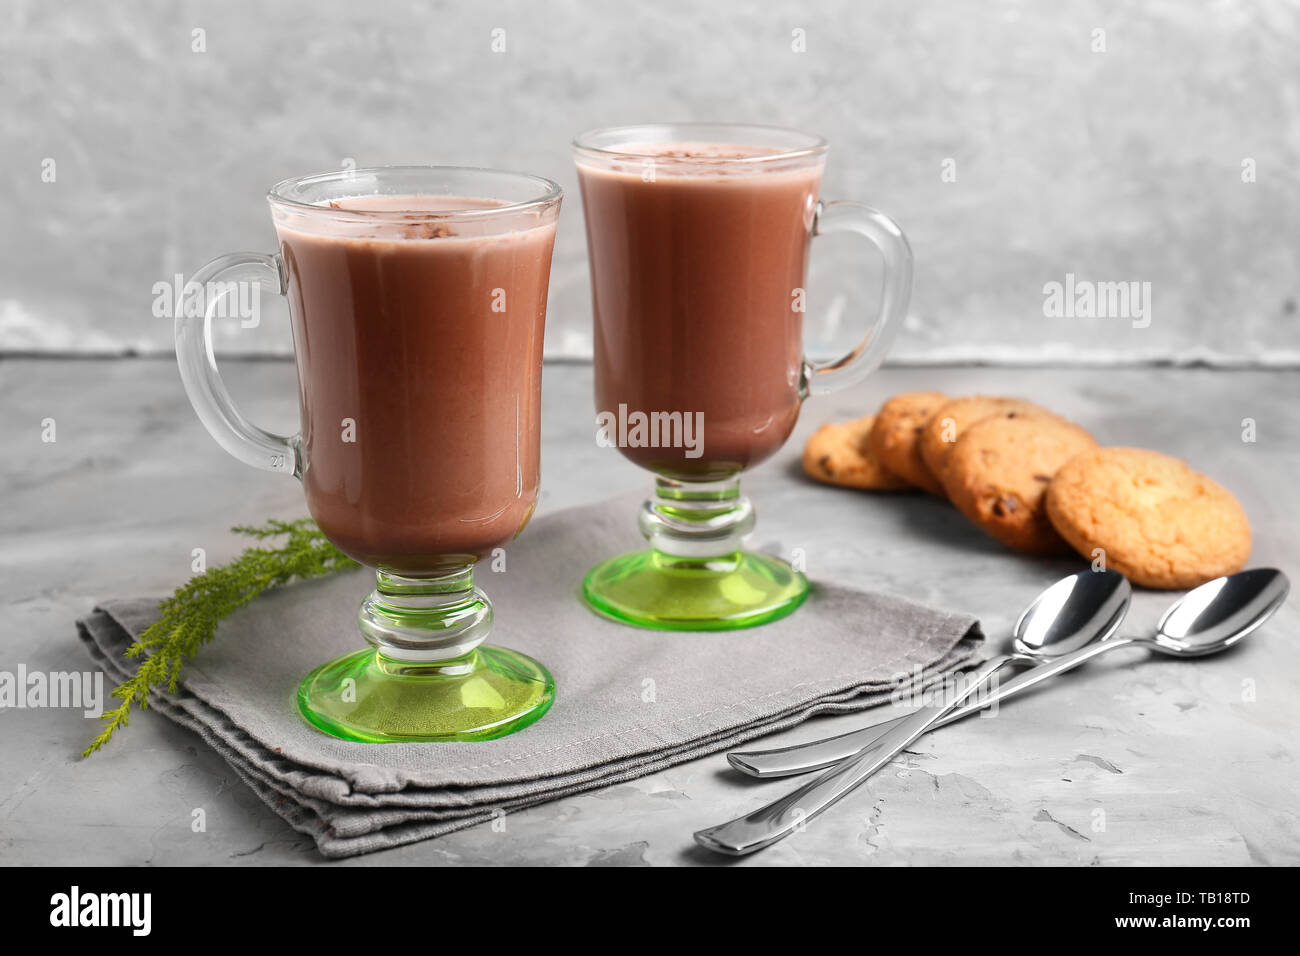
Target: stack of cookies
x,y
1042,485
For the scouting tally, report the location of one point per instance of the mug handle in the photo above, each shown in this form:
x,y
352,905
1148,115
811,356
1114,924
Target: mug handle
x,y
884,233
198,364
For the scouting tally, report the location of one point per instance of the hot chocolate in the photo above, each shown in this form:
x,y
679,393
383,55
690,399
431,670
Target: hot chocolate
x,y
697,277
419,347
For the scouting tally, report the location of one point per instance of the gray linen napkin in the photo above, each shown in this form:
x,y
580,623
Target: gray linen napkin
x,y
844,650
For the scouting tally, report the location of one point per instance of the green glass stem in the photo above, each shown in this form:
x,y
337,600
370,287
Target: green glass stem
x,y
695,576
428,676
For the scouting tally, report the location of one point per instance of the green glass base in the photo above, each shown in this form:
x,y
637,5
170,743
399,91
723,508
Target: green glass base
x,y
655,590
488,693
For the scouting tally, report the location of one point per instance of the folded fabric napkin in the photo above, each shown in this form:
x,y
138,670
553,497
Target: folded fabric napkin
x,y
844,650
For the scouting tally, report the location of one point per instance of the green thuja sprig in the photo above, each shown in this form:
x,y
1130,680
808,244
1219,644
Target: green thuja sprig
x,y
189,618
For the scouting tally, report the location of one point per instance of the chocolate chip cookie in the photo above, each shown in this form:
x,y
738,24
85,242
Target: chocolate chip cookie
x,y
895,437
1158,522
999,470
837,454
951,418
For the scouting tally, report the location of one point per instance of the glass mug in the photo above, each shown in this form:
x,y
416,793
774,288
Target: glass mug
x,y
698,237
417,298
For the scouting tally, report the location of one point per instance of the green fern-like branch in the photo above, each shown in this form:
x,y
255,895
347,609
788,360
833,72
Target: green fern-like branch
x,y
188,619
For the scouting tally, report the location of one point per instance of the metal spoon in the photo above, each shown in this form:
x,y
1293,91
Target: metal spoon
x,y
1074,612
1211,617
1087,603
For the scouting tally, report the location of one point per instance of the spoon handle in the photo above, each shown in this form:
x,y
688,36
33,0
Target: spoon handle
x,y
779,819
819,754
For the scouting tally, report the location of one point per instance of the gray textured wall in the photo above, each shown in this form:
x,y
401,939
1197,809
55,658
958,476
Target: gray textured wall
x,y
1125,164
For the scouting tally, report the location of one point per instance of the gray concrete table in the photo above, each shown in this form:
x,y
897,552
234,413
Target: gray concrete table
x,y
1129,760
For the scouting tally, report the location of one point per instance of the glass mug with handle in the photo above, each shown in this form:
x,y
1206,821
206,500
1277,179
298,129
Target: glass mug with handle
x,y
698,237
417,298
